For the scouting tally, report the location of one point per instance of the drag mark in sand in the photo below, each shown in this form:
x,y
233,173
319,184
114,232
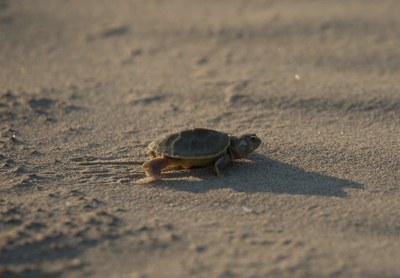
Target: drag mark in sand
x,y
105,171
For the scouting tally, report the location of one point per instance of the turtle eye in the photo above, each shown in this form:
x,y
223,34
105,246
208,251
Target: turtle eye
x,y
253,138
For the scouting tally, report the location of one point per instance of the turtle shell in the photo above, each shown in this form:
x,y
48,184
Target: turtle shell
x,y
196,143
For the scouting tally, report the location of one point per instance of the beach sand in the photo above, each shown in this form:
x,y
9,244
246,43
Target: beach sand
x,y
86,85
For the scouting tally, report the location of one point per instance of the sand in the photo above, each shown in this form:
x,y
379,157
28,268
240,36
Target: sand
x,y
86,85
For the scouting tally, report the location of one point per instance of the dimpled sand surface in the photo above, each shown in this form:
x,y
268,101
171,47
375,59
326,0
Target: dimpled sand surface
x,y
86,85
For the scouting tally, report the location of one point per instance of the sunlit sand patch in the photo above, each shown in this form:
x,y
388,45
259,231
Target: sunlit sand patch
x,y
151,180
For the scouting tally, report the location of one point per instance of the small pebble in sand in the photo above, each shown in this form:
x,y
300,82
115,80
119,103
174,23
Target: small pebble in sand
x,y
247,209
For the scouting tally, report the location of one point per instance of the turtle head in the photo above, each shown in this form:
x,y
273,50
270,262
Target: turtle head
x,y
244,145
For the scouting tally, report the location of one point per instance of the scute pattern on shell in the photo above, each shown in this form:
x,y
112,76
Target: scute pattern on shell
x,y
194,143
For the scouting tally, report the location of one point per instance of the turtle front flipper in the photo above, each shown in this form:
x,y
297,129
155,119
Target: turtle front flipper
x,y
153,167
221,163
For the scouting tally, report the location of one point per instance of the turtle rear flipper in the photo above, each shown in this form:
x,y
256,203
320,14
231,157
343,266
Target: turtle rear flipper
x,y
154,166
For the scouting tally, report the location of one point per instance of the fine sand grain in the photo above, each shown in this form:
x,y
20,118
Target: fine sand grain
x,y
86,85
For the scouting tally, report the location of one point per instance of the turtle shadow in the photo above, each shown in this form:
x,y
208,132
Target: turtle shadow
x,y
261,174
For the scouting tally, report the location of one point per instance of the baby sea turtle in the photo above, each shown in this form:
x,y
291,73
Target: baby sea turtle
x,y
197,147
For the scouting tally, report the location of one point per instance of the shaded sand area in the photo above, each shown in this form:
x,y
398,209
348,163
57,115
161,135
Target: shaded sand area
x,y
86,85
